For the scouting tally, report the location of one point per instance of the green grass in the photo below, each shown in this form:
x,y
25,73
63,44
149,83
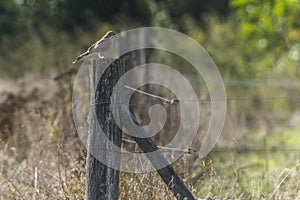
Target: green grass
x,y
263,172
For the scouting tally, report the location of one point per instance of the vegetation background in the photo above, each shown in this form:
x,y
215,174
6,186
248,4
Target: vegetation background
x,y
255,44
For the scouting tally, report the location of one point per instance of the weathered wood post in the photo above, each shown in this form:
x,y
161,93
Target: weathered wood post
x,y
167,173
102,182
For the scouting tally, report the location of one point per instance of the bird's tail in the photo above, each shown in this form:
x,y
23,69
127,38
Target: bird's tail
x,y
81,56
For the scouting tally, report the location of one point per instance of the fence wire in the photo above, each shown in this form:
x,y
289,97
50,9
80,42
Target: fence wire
x,y
170,101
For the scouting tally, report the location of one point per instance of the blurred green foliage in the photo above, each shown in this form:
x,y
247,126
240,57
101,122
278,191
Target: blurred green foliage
x,y
250,40
17,15
247,39
268,32
42,35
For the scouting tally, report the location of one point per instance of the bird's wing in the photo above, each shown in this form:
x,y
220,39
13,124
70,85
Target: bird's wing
x,y
91,47
81,56
99,41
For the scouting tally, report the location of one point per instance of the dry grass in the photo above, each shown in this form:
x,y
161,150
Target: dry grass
x,y
41,157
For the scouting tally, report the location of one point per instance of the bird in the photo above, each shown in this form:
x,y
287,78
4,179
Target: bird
x,y
100,47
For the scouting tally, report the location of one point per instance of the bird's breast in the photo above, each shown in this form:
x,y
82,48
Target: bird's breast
x,y
103,46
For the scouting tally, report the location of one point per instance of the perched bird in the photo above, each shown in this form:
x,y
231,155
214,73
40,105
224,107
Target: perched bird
x,y
100,47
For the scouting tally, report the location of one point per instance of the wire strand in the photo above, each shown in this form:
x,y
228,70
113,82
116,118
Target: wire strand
x,y
205,100
146,93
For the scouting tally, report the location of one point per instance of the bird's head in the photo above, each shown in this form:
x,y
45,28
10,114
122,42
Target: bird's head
x,y
109,34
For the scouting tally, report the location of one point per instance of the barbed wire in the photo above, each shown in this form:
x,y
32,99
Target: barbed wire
x,y
282,83
265,83
174,101
250,150
191,150
201,100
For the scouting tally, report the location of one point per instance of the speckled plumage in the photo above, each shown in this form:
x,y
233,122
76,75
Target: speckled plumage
x,y
99,47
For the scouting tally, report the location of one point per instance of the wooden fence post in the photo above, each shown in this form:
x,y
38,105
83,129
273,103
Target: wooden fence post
x,y
102,182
